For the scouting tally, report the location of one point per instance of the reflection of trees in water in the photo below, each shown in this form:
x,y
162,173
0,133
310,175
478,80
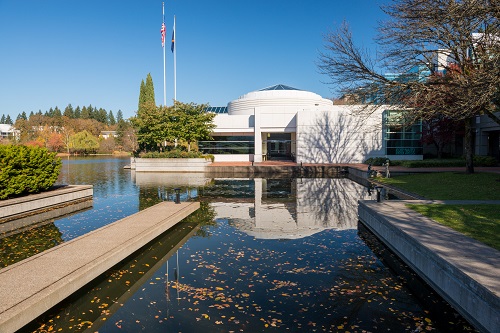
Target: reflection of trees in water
x,y
28,243
105,174
229,188
335,138
204,217
333,201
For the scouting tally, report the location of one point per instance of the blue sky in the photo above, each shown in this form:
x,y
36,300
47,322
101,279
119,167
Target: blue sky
x,y
56,52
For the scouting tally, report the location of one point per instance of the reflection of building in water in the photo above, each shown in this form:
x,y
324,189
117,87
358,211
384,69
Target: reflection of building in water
x,y
295,208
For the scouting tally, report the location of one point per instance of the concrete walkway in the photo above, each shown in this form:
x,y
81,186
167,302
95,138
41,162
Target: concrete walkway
x,y
33,286
359,166
465,272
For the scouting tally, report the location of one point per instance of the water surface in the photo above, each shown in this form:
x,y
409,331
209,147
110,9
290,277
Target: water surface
x,y
260,255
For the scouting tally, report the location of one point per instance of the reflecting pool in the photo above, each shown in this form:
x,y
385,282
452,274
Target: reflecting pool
x,y
259,255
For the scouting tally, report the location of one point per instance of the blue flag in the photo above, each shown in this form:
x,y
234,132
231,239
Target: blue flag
x,y
173,39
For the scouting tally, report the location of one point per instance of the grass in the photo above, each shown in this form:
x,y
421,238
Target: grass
x,y
449,186
481,222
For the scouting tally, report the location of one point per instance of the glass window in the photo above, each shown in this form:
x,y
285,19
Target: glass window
x,y
401,139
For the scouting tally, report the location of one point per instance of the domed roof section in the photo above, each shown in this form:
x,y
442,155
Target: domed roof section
x,y
279,95
279,87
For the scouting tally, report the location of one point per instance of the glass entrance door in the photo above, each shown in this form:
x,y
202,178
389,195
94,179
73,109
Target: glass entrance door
x,y
279,146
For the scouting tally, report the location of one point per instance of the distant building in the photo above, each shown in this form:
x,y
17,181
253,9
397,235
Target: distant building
x,y
108,134
8,132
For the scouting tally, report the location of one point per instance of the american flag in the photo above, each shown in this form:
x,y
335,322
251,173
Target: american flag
x,y
163,31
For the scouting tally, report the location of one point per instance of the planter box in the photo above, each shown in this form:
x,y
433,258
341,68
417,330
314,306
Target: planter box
x,y
35,203
170,164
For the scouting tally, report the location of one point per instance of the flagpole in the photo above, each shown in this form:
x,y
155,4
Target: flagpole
x,y
175,63
164,67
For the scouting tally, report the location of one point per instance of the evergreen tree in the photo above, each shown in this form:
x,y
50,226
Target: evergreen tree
x,y
91,111
57,113
101,116
68,112
146,94
50,113
31,114
78,113
2,121
85,113
111,118
150,90
142,97
8,120
119,116
39,112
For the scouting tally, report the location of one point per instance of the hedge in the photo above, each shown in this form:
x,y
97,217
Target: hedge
x,y
26,169
176,153
479,161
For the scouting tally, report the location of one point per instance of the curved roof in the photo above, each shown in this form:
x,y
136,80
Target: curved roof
x,y
279,95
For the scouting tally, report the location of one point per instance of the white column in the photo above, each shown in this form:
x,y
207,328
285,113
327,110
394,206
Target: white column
x,y
257,136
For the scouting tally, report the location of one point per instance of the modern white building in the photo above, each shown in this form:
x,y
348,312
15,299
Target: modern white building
x,y
281,122
8,132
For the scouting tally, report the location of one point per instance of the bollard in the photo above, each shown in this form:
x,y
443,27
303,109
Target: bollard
x,y
177,195
379,189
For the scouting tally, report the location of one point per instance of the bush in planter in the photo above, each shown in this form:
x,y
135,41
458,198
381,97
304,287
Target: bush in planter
x,y
26,169
176,153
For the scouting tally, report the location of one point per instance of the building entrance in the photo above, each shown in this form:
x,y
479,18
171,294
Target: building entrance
x,y
279,146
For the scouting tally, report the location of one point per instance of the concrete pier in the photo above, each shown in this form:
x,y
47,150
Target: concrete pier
x,y
33,286
463,271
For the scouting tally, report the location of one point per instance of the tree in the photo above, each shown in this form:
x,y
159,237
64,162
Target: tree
x,y
439,131
157,126
192,123
453,44
8,120
119,116
69,112
2,120
84,142
111,118
125,136
85,113
78,112
146,93
55,142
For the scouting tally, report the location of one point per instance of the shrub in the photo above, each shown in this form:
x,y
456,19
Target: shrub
x,y
176,153
479,161
377,161
25,170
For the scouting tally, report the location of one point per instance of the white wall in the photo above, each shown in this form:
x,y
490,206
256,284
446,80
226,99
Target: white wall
x,y
344,135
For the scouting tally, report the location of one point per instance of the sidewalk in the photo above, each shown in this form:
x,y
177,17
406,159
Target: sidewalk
x,y
359,166
462,270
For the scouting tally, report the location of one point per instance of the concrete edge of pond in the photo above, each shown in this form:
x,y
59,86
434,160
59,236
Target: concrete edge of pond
x,y
34,285
16,208
462,270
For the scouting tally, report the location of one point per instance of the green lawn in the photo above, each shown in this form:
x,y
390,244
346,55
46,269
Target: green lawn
x,y
481,222
449,186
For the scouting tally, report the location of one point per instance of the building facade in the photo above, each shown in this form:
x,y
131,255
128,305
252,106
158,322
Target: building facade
x,y
285,123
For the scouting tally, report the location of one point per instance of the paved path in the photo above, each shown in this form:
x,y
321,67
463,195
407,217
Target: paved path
x,y
32,286
359,166
464,271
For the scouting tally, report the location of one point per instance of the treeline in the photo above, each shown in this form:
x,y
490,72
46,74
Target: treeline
x,y
85,112
76,130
